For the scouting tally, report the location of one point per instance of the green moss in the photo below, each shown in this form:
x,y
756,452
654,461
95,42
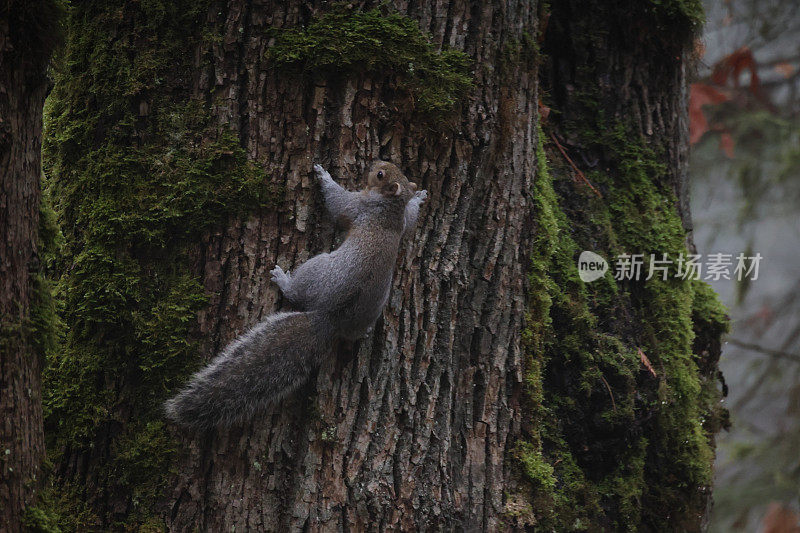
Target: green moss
x,y
708,312
38,329
346,39
564,338
61,507
329,434
40,520
139,172
629,450
169,189
626,484
144,449
514,53
45,322
589,397
537,470
679,456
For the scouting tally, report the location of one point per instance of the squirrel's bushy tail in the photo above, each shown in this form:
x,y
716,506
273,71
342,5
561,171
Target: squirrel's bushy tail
x,y
260,367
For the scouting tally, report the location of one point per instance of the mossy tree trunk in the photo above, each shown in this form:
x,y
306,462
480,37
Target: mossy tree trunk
x,y
450,414
642,440
27,30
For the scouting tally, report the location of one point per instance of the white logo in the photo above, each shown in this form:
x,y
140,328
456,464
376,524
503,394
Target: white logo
x,y
591,266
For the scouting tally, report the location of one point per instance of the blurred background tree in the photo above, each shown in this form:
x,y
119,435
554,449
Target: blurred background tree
x,y
744,167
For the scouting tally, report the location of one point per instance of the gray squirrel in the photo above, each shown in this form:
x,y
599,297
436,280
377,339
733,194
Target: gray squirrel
x,y
337,295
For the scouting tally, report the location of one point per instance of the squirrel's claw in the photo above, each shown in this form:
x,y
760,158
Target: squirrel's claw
x,y
421,195
322,174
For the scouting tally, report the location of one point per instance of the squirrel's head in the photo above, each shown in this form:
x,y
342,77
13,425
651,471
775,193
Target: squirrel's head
x,y
387,179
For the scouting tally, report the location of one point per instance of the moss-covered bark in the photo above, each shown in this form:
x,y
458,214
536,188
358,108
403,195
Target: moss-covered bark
x,y
139,171
348,40
635,449
629,448
498,390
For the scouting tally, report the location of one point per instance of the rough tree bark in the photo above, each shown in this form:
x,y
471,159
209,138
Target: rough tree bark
x,y
25,46
414,430
417,426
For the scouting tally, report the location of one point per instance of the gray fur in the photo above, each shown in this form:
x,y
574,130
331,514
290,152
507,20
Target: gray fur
x,y
337,295
412,211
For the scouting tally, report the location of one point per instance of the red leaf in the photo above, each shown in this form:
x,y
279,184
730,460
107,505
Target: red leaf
x,y
732,65
544,111
700,95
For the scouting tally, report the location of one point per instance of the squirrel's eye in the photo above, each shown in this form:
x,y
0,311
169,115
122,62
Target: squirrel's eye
x,y
380,174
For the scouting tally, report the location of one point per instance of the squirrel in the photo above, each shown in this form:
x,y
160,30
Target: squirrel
x,y
337,295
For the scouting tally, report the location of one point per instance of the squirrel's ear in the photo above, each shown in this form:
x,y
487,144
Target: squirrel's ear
x,y
392,189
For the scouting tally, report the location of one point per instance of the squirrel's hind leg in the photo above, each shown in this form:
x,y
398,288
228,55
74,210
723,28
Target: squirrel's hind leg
x,y
306,285
285,283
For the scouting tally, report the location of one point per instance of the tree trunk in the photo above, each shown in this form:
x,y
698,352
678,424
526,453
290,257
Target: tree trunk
x,y
24,54
447,415
413,431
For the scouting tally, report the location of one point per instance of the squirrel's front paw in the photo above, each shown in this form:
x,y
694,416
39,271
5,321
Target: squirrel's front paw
x,y
322,174
421,196
279,276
